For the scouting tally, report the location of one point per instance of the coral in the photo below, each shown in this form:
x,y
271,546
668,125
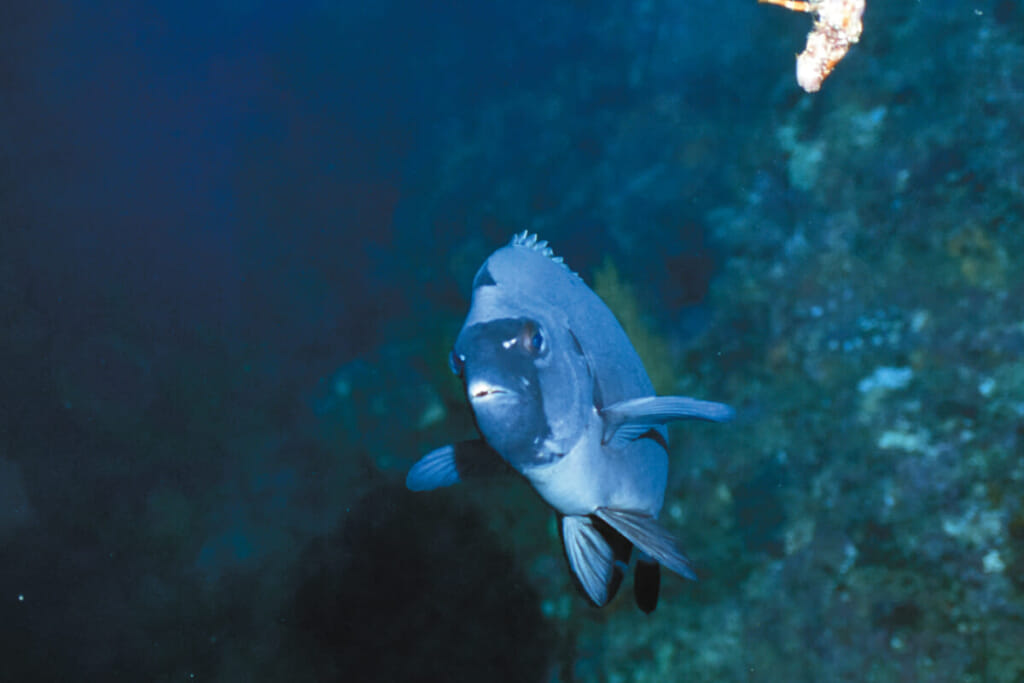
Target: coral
x,y
837,26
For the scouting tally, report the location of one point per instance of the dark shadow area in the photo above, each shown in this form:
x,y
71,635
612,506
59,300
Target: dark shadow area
x,y
77,616
414,588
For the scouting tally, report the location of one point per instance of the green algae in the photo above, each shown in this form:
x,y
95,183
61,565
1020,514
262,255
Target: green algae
x,y
624,301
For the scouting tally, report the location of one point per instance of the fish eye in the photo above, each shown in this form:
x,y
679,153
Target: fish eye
x,y
535,343
457,363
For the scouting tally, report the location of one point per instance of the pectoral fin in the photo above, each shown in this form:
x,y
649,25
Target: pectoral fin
x,y
628,420
650,537
453,463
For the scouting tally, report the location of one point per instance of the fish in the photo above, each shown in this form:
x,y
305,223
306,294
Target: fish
x,y
561,398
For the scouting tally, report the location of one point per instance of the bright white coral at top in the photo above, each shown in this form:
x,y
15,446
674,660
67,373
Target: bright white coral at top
x,y
837,26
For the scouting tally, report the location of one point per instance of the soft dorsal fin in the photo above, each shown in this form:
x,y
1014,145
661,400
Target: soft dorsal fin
x,y
628,420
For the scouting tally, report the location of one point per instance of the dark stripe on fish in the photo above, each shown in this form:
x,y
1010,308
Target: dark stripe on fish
x,y
654,435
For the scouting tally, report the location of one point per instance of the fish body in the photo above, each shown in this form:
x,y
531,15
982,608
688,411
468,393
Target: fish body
x,y
560,396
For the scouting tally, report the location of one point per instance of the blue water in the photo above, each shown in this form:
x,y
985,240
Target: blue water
x,y
237,242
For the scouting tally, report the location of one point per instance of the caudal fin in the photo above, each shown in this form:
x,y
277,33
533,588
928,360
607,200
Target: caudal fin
x,y
646,584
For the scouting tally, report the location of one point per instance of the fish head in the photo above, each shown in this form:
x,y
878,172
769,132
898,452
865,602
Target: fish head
x,y
527,378
520,375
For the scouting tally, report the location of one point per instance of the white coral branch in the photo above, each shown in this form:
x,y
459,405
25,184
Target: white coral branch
x,y
837,25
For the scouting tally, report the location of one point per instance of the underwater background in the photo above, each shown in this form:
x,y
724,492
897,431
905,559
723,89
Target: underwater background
x,y
236,244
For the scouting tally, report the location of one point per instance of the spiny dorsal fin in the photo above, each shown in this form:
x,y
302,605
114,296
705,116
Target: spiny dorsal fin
x,y
530,240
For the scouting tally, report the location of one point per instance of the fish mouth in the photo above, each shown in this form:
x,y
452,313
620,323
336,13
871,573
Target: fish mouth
x,y
480,391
